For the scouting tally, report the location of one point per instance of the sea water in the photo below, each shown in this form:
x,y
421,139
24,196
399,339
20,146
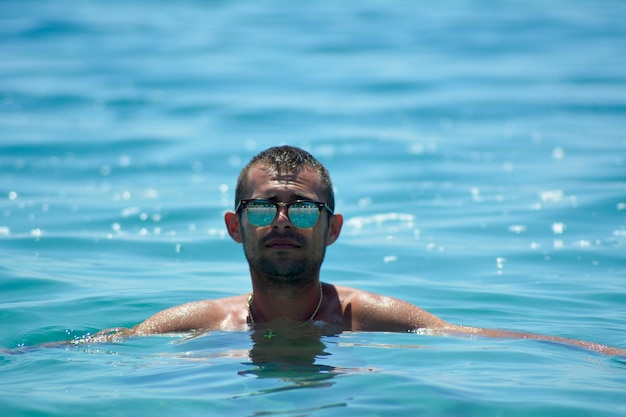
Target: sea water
x,y
478,155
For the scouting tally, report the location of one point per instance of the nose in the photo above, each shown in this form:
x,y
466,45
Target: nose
x,y
281,221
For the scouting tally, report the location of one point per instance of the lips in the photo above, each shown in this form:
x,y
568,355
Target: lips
x,y
285,242
282,243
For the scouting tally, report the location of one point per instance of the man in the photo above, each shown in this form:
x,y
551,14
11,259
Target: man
x,y
284,218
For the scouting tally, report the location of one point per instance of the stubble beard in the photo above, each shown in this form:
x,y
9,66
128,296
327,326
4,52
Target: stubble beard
x,y
285,274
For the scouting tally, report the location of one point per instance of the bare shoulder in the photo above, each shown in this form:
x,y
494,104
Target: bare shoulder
x,y
375,312
222,313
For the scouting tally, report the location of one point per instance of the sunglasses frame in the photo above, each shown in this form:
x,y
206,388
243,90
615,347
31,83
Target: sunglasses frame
x,y
243,204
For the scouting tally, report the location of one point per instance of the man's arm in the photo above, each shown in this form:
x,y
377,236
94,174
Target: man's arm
x,y
181,318
372,312
506,334
191,316
219,314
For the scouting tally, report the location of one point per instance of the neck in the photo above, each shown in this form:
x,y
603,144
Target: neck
x,y
267,304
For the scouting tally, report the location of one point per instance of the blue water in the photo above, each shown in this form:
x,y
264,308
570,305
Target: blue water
x,y
478,151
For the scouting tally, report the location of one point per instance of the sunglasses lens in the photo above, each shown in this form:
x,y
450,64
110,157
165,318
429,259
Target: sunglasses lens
x,y
260,213
304,214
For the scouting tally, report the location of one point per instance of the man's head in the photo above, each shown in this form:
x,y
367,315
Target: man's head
x,y
286,160
279,251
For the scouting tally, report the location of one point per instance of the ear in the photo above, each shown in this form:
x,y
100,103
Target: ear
x,y
334,228
233,226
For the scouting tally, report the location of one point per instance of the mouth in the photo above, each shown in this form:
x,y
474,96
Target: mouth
x,y
282,244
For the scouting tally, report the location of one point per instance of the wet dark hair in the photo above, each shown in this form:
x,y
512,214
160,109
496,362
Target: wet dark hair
x,y
287,159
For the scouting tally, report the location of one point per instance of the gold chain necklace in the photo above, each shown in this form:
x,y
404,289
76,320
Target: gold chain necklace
x,y
317,308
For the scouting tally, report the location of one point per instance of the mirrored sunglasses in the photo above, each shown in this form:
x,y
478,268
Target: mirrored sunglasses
x,y
302,214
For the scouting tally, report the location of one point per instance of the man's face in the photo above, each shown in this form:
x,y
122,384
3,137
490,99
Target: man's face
x,y
280,253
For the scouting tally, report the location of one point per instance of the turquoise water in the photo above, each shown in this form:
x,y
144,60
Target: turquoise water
x,y
478,152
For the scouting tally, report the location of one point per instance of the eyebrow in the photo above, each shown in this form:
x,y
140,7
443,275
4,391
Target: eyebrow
x,y
294,197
